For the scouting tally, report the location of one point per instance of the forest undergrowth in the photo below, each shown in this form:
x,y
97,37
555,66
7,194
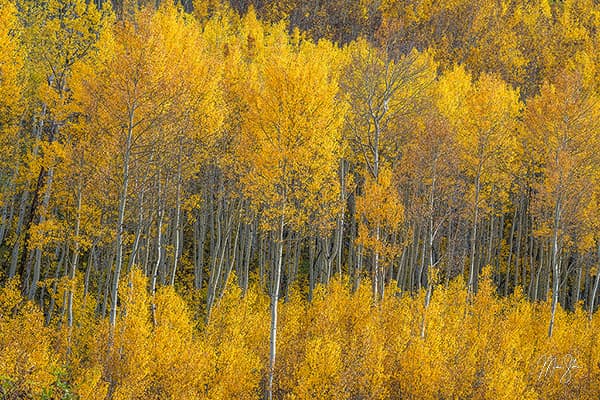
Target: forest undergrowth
x,y
340,345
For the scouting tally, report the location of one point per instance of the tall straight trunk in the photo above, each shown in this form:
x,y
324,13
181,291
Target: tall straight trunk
x,y
14,259
399,275
420,271
587,284
288,266
450,250
120,227
296,262
74,263
563,276
510,252
25,263
392,262
531,248
233,259
427,301
595,289
8,209
376,265
262,244
38,250
217,243
499,236
57,274
177,217
247,258
579,267
351,257
534,271
431,230
488,258
340,227
548,275
217,265
26,216
147,248
555,264
159,246
88,271
472,272
138,233
104,286
413,259
522,212
199,241
274,303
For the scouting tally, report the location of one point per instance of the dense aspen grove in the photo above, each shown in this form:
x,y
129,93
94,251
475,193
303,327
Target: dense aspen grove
x,y
299,199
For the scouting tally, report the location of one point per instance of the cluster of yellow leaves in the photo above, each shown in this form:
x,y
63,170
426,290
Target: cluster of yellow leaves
x,y
292,128
27,362
525,42
380,208
339,346
11,89
484,115
561,134
10,64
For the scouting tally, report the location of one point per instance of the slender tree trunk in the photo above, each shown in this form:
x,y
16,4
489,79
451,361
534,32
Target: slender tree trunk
x,y
248,256
510,252
57,273
232,260
8,208
217,268
488,257
555,264
200,233
274,303
579,268
120,228
595,289
138,233
177,217
74,264
376,265
518,263
39,250
26,219
14,260
472,272
88,271
159,247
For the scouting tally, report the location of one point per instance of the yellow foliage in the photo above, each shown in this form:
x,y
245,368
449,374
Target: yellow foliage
x,y
178,367
292,133
27,362
416,140
340,346
129,361
318,375
237,345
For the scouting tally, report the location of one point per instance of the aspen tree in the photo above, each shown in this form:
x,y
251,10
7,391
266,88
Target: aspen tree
x,y
57,36
561,125
292,147
380,93
484,115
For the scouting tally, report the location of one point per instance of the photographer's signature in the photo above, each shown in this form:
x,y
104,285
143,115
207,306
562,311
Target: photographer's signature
x,y
551,366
